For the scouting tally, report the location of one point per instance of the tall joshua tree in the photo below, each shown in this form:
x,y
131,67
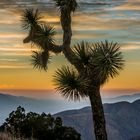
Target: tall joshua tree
x,y
92,64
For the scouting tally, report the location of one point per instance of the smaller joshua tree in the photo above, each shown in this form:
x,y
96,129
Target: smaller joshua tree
x,y
92,64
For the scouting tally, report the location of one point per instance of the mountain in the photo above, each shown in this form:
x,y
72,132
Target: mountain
x,y
9,103
128,98
122,120
135,138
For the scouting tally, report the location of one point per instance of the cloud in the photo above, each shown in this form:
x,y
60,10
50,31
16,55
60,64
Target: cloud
x,y
8,60
131,5
14,66
11,35
18,49
130,46
15,52
134,63
9,17
5,86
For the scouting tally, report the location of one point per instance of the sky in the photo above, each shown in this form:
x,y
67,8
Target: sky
x,y
95,20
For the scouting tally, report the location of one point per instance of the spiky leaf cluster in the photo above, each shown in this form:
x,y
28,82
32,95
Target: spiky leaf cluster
x,y
83,53
40,35
66,4
44,36
40,60
107,60
30,18
100,60
69,83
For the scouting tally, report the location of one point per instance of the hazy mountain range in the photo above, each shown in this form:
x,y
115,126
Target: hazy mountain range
x,y
122,120
9,103
128,98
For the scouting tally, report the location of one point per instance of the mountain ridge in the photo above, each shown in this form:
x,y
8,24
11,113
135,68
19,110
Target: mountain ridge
x,y
122,117
122,120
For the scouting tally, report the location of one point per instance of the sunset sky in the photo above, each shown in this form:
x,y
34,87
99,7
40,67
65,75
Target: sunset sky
x,y
95,20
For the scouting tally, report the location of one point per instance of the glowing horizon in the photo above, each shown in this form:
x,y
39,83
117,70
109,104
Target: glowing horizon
x,y
115,22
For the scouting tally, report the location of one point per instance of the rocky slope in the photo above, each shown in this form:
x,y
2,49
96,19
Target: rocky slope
x,y
122,120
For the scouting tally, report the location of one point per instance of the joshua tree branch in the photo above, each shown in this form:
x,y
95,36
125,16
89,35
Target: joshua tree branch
x,y
65,19
53,47
67,34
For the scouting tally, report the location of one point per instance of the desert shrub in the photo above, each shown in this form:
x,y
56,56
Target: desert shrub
x,y
7,136
39,126
135,138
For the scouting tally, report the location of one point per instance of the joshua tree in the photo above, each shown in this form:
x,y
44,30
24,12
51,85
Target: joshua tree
x,y
92,64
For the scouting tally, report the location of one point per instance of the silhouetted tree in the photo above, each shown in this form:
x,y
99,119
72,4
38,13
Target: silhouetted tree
x,y
14,121
93,64
40,127
135,138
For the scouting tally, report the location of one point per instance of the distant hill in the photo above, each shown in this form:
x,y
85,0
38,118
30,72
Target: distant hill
x,y
135,138
122,119
9,103
128,98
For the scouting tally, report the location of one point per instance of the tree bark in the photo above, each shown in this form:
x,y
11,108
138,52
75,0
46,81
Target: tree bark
x,y
98,114
65,19
95,98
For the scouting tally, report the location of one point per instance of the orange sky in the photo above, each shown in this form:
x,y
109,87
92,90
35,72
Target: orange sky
x,y
115,23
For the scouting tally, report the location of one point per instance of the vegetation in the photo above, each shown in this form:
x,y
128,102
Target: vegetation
x,y
135,138
92,64
6,136
39,127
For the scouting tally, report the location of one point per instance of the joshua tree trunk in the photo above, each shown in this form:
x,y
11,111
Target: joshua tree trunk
x,y
95,98
98,114
65,19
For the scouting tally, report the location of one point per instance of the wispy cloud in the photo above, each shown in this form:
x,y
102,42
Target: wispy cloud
x,y
10,49
11,35
9,60
131,46
5,86
131,5
14,66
